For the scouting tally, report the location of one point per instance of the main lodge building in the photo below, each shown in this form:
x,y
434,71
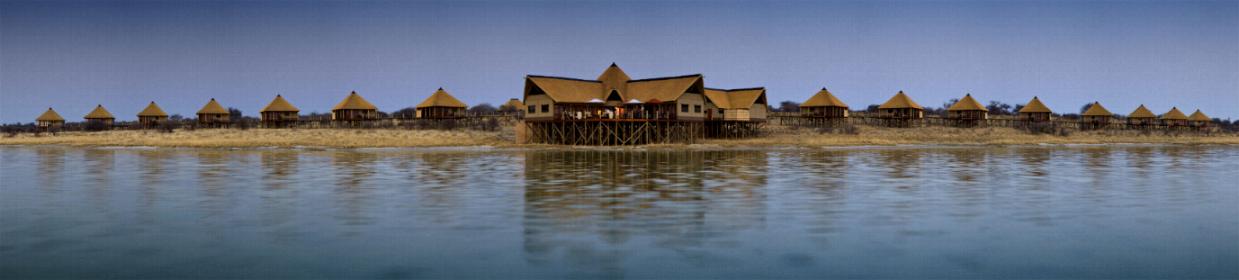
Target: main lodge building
x,y
614,109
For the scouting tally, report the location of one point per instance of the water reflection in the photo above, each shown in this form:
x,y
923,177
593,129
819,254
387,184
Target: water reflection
x,y
681,201
944,212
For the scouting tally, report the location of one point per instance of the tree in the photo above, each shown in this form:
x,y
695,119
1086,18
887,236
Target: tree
x,y
1017,109
1085,107
998,108
406,113
484,108
789,106
873,108
234,114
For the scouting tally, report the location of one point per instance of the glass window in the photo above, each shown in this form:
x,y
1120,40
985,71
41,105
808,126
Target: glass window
x,y
696,108
546,108
684,108
533,108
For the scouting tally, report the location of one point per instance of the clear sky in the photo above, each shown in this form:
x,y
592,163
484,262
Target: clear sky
x,y
73,55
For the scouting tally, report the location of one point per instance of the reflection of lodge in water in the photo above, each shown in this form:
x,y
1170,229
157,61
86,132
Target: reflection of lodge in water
x,y
617,110
680,199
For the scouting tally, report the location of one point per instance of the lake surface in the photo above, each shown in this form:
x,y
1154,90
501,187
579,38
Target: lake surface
x,y
950,212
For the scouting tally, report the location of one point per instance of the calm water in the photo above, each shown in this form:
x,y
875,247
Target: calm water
x,y
1031,212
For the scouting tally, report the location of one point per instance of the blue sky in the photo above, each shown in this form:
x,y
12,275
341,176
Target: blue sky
x,y
73,55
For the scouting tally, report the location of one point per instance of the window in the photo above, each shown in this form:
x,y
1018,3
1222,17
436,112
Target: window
x,y
684,108
533,108
720,111
546,108
696,108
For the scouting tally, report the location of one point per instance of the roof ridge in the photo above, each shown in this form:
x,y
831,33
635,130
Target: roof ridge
x,y
665,78
561,78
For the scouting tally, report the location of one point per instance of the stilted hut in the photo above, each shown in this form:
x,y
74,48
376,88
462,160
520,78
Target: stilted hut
x,y
614,109
901,111
279,113
1174,118
967,112
49,121
514,106
152,116
100,117
1198,119
823,109
441,105
354,110
733,113
1035,112
1141,118
1096,117
213,115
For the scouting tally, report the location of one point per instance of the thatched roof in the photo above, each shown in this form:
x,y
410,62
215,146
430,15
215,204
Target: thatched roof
x,y
213,108
152,110
613,79
50,115
99,113
967,104
354,102
1141,113
736,98
441,99
900,101
1035,106
823,98
1097,110
1174,114
1198,116
514,103
279,105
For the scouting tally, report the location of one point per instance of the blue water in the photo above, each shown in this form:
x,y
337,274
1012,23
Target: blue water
x,y
950,212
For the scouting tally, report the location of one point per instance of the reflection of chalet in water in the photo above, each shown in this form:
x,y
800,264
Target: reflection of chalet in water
x,y
614,109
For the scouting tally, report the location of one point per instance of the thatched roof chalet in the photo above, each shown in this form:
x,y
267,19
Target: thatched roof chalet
x,y
152,110
900,101
1096,110
213,108
280,105
1035,106
823,98
50,116
354,102
99,113
967,104
613,85
441,98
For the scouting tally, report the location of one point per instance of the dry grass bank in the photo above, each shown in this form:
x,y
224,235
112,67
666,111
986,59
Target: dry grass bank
x,y
869,135
220,138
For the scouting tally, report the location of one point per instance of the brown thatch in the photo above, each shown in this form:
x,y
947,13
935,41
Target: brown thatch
x,y
1141,113
354,102
823,98
967,104
99,113
280,105
900,101
1097,110
1199,117
50,116
1174,114
152,110
441,99
513,103
613,79
1035,106
735,98
213,108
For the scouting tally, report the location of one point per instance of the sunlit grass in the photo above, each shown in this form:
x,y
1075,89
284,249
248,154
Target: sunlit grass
x,y
218,138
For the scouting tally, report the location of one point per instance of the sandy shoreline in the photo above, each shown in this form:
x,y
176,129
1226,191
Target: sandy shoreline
x,y
355,138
